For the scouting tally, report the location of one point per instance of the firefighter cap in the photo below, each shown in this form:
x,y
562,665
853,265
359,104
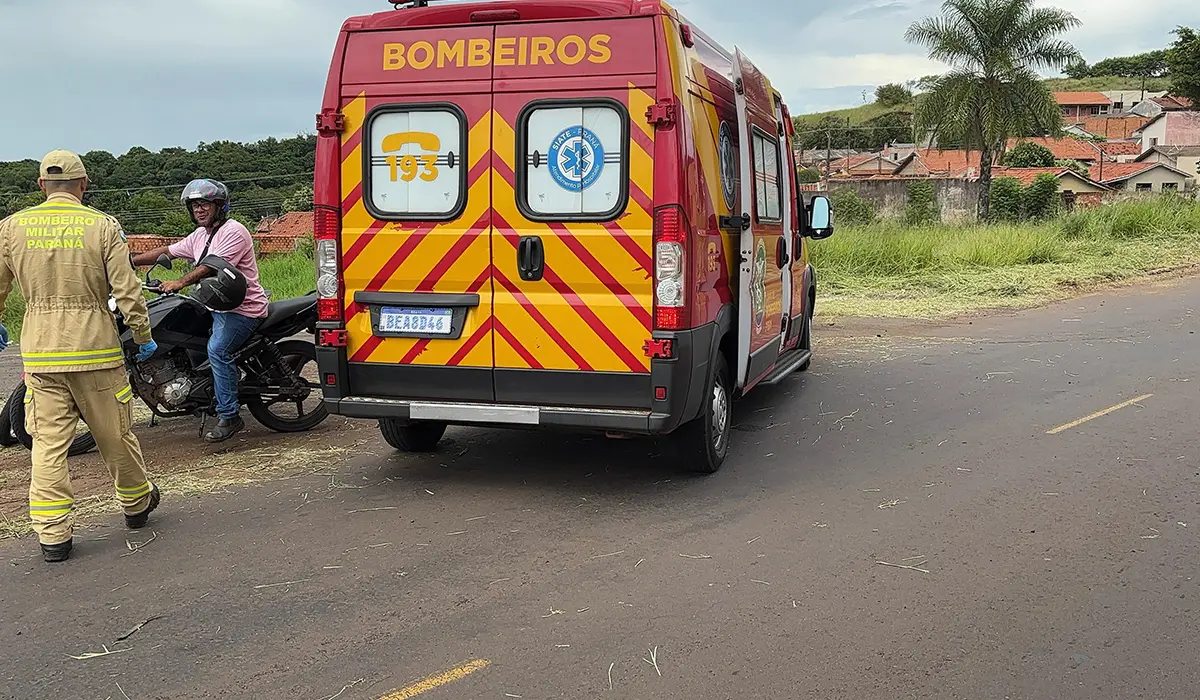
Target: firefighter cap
x,y
67,165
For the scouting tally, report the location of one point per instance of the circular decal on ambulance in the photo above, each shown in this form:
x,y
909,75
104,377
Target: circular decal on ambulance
x,y
758,291
728,165
576,158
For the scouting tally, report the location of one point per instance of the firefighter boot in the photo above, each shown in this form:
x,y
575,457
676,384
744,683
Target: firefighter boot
x,y
136,522
54,553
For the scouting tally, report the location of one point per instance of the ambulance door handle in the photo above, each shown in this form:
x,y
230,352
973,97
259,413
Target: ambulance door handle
x,y
531,258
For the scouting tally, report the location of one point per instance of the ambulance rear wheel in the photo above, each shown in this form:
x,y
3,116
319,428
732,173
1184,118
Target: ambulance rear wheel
x,y
704,443
412,437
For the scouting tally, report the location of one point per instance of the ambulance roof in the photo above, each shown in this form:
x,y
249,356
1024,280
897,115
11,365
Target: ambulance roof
x,y
499,11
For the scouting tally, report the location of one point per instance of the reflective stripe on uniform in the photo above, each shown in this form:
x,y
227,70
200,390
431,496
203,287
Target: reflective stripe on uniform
x,y
63,208
48,510
135,493
78,357
28,395
125,394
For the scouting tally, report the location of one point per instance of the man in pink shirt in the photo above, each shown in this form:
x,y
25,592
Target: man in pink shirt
x,y
216,234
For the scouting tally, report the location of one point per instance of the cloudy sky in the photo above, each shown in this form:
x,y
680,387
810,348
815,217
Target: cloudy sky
x,y
110,75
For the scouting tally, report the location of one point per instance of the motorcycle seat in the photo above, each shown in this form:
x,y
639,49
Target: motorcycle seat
x,y
280,311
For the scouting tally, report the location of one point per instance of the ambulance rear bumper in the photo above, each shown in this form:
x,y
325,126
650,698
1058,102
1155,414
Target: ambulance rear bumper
x,y
501,415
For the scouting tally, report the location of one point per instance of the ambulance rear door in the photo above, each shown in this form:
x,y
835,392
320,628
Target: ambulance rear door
x,y
765,252
573,204
415,241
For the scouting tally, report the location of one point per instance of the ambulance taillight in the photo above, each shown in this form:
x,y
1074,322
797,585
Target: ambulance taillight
x,y
670,269
326,227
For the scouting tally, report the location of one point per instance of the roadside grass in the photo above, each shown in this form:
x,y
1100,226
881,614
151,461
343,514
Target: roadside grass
x,y
283,276
893,270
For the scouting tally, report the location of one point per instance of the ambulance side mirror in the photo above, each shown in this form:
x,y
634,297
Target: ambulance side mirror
x,y
820,218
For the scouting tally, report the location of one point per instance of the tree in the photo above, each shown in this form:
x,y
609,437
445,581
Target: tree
x,y
1029,154
1077,70
302,200
807,176
1006,199
1040,200
892,95
1184,62
994,90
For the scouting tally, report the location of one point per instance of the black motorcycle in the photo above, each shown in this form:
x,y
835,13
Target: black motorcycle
x,y
177,380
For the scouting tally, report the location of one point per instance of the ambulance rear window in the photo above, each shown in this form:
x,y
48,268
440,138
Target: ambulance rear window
x,y
414,167
574,162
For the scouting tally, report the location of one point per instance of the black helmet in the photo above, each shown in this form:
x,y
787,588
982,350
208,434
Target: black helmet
x,y
224,291
208,191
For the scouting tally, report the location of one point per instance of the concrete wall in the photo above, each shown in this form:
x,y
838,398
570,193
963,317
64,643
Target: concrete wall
x,y
267,243
1154,135
957,199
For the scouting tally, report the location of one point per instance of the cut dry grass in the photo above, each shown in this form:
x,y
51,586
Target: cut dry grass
x,y
220,473
898,271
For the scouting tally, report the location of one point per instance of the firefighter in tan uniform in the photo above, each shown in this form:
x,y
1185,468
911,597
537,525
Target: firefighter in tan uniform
x,y
67,260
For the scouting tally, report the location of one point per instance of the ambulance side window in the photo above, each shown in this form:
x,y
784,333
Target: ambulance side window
x,y
413,164
573,160
768,194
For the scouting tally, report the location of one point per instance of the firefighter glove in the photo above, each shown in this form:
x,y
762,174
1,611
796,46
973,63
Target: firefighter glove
x,y
146,351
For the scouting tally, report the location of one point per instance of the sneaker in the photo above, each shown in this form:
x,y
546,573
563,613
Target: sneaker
x,y
54,553
136,522
226,428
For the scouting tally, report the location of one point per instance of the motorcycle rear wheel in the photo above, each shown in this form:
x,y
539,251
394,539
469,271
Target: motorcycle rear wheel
x,y
15,410
7,438
297,353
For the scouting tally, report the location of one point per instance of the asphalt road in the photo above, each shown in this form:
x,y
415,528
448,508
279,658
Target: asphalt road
x,y
1043,563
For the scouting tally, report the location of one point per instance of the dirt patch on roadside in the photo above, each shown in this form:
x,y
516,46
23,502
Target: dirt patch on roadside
x,y
182,463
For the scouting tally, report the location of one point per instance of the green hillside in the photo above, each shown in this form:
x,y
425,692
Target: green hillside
x,y
867,112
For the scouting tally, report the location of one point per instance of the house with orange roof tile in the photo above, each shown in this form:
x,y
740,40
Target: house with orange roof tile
x,y
1142,177
1079,105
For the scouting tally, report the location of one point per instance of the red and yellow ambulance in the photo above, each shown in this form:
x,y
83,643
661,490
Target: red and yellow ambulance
x,y
575,214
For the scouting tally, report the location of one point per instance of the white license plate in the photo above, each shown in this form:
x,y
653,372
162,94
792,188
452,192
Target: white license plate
x,y
416,321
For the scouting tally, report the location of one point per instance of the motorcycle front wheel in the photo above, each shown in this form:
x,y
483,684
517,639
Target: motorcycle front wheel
x,y
297,354
15,410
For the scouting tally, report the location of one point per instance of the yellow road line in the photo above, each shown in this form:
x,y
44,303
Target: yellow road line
x,y
427,684
1097,414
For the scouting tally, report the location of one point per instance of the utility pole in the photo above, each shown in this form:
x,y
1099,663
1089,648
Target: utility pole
x,y
828,153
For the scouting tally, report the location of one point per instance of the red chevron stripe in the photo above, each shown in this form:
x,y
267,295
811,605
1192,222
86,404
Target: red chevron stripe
x,y
353,198
640,256
642,139
419,347
585,256
542,321
360,243
642,199
456,251
397,259
520,349
578,305
367,348
477,337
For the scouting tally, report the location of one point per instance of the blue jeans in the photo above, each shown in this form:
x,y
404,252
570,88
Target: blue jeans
x,y
229,332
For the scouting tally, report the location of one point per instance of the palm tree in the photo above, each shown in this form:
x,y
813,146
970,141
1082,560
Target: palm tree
x,y
994,91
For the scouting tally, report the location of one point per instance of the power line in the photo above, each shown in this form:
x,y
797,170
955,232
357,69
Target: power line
x,y
150,188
